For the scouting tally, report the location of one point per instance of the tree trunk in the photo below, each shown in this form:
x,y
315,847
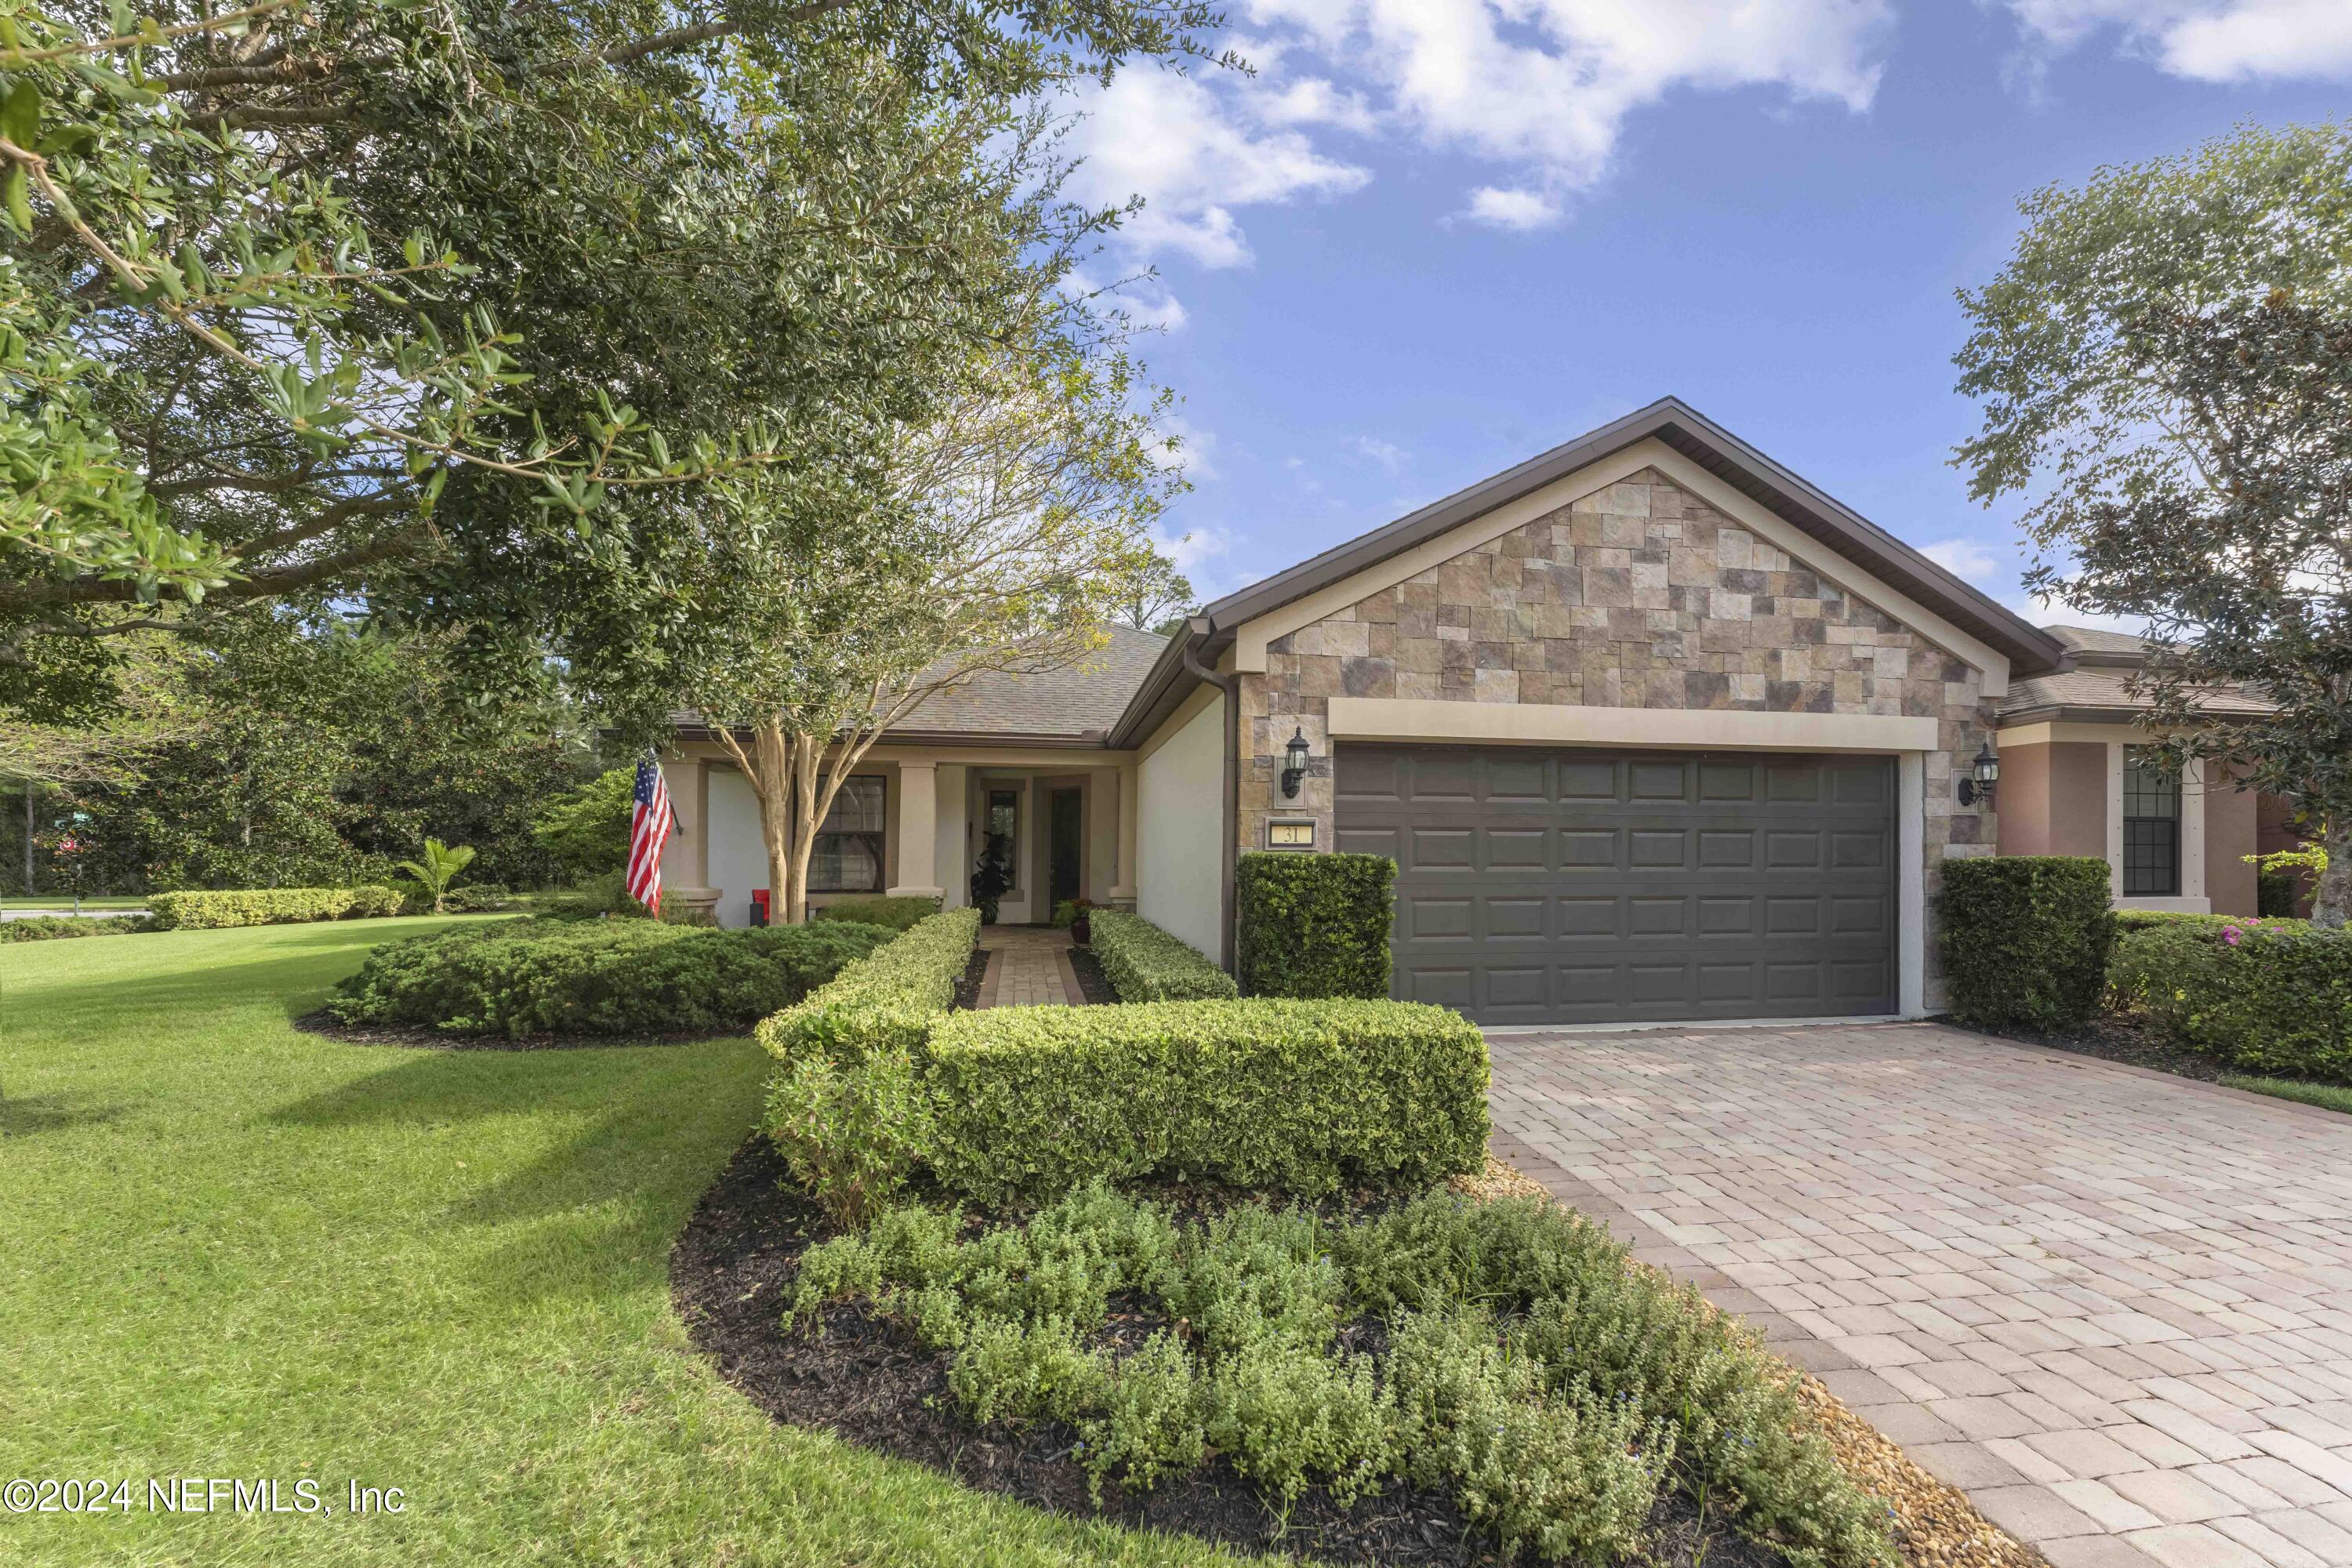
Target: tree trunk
x,y
2331,900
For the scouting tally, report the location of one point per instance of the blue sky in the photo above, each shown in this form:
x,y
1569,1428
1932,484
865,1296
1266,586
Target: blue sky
x,y
1433,238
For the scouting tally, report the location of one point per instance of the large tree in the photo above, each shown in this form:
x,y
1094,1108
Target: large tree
x,y
2165,369
439,303
999,535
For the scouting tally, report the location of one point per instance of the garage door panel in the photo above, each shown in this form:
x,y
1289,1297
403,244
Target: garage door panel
x,y
1388,841
1578,887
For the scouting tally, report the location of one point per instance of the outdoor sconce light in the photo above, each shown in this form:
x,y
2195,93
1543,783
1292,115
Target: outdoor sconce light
x,y
1295,755
1983,774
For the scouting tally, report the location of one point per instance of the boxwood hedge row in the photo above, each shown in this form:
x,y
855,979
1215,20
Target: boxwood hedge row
x,y
1145,963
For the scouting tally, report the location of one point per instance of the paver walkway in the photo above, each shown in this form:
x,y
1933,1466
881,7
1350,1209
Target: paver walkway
x,y
2114,1307
1028,966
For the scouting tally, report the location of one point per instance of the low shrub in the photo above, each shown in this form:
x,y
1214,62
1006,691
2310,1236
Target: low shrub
x,y
1293,1097
2130,920
378,903
2025,939
1314,925
45,927
889,998
850,1112
900,913
1528,1368
595,977
474,898
2269,996
253,907
1145,963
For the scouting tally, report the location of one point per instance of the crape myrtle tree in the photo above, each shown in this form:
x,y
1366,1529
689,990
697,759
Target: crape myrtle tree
x,y
440,305
1002,533
2166,371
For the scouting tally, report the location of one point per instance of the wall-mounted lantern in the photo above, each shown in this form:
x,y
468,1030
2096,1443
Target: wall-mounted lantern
x,y
1982,775
1295,755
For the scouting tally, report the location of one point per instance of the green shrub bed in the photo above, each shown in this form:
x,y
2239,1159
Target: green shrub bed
x,y
49,927
270,906
1508,1354
1314,925
1290,1097
900,913
2273,997
525,977
1145,963
849,1110
2025,939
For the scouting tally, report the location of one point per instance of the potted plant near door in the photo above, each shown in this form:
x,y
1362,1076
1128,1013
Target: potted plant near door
x,y
992,876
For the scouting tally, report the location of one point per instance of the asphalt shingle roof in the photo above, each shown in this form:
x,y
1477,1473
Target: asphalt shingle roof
x,y
1066,702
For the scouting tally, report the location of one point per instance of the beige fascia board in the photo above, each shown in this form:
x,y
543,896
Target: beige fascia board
x,y
1407,719
1251,639
2043,732
1204,696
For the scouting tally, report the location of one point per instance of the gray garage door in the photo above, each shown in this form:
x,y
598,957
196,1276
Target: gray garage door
x,y
1540,887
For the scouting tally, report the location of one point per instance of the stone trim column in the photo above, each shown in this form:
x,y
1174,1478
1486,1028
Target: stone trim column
x,y
916,830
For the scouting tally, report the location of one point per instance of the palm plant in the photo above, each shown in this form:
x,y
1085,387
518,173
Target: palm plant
x,y
439,867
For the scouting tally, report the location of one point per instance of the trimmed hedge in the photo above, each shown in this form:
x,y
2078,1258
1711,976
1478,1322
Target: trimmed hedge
x,y
887,999
595,977
2025,939
1145,963
2270,997
1282,1096
1314,925
46,928
270,907
2130,920
900,913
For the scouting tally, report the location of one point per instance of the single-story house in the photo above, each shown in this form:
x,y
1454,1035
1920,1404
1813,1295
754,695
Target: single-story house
x,y
1653,727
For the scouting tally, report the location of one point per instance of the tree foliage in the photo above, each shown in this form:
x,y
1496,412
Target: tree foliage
x,y
450,305
2165,369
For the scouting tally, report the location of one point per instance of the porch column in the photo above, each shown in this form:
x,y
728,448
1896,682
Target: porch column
x,y
950,865
918,827
686,857
1122,880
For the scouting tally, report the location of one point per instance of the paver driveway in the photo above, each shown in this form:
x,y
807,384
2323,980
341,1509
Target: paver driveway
x,y
2114,1307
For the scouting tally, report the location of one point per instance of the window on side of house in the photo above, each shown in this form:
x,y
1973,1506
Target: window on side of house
x,y
847,855
2151,828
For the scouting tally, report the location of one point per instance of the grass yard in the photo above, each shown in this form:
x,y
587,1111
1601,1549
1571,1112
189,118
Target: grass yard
x,y
2328,1096
235,1249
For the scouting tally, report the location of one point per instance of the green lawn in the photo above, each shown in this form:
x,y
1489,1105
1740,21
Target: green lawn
x,y
237,1250
2328,1095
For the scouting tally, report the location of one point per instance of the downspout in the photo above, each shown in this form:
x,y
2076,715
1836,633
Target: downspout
x,y
1198,630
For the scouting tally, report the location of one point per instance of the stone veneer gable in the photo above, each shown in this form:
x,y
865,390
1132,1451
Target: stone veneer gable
x,y
1638,595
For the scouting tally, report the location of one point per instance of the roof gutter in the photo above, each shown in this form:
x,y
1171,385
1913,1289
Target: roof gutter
x,y
1199,629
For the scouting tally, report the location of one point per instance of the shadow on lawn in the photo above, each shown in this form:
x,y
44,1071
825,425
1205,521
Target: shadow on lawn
x,y
29,1115
643,1132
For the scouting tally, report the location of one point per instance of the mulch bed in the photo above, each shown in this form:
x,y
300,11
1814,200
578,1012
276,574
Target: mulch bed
x,y
873,1383
967,995
2116,1038
1092,982
328,1027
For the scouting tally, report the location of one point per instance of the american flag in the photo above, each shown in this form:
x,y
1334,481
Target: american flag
x,y
649,827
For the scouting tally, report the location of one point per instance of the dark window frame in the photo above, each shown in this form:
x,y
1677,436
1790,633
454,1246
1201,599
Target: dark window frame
x,y
1013,834
2152,846
876,840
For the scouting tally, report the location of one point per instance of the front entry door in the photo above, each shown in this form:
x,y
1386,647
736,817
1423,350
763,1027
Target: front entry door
x,y
1064,873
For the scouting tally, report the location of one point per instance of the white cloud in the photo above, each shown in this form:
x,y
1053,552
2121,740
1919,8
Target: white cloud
x,y
1520,210
1195,151
1387,454
1190,447
1545,86
2205,40
1963,558
2051,611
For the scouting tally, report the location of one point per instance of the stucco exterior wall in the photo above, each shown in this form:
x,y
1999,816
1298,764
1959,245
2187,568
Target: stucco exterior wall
x,y
2232,833
1179,824
1639,595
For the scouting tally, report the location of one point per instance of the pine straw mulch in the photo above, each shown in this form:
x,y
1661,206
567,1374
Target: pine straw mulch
x,y
1936,1526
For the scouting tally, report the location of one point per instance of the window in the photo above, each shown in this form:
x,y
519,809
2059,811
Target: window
x,y
2151,828
1004,829
847,855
